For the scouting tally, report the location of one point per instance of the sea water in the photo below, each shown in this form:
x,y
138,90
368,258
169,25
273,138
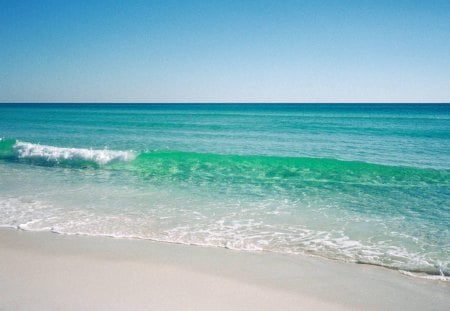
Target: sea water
x,y
360,183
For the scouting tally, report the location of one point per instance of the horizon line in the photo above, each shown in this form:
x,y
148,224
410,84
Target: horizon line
x,y
220,103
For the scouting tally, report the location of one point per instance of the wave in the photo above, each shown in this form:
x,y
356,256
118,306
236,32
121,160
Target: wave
x,y
51,155
271,169
237,169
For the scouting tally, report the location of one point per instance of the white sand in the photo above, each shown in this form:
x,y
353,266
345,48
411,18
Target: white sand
x,y
45,271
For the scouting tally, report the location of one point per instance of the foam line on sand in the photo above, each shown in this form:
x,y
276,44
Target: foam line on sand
x,y
45,271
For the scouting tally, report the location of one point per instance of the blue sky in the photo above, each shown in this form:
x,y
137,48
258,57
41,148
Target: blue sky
x,y
225,51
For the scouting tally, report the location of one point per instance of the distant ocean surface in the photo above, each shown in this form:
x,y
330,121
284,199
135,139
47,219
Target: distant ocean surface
x,y
359,183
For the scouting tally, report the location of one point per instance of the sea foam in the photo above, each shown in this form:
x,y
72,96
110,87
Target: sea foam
x,y
52,153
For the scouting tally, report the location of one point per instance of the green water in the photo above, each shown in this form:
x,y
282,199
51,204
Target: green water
x,y
368,184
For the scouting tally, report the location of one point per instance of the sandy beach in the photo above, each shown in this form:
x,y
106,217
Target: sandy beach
x,y
42,270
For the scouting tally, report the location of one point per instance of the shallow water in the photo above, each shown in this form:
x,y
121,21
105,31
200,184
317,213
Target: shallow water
x,y
362,183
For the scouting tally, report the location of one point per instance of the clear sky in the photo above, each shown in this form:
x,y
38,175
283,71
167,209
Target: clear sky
x,y
225,51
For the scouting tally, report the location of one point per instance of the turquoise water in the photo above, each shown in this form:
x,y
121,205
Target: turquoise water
x,y
360,183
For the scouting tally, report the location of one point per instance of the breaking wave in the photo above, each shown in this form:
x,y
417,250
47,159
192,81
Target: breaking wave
x,y
51,155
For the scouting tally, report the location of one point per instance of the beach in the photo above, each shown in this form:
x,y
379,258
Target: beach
x,y
224,155
42,270
224,207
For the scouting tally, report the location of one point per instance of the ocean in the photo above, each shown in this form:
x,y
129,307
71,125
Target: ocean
x,y
361,183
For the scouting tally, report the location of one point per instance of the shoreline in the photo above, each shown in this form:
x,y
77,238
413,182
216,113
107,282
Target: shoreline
x,y
44,270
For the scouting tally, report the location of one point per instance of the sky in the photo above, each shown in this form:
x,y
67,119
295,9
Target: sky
x,y
225,51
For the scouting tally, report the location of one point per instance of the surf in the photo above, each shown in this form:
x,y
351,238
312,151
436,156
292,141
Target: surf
x,y
193,166
294,205
20,151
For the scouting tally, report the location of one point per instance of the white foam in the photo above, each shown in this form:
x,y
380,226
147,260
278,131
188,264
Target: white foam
x,y
40,214
440,277
51,153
